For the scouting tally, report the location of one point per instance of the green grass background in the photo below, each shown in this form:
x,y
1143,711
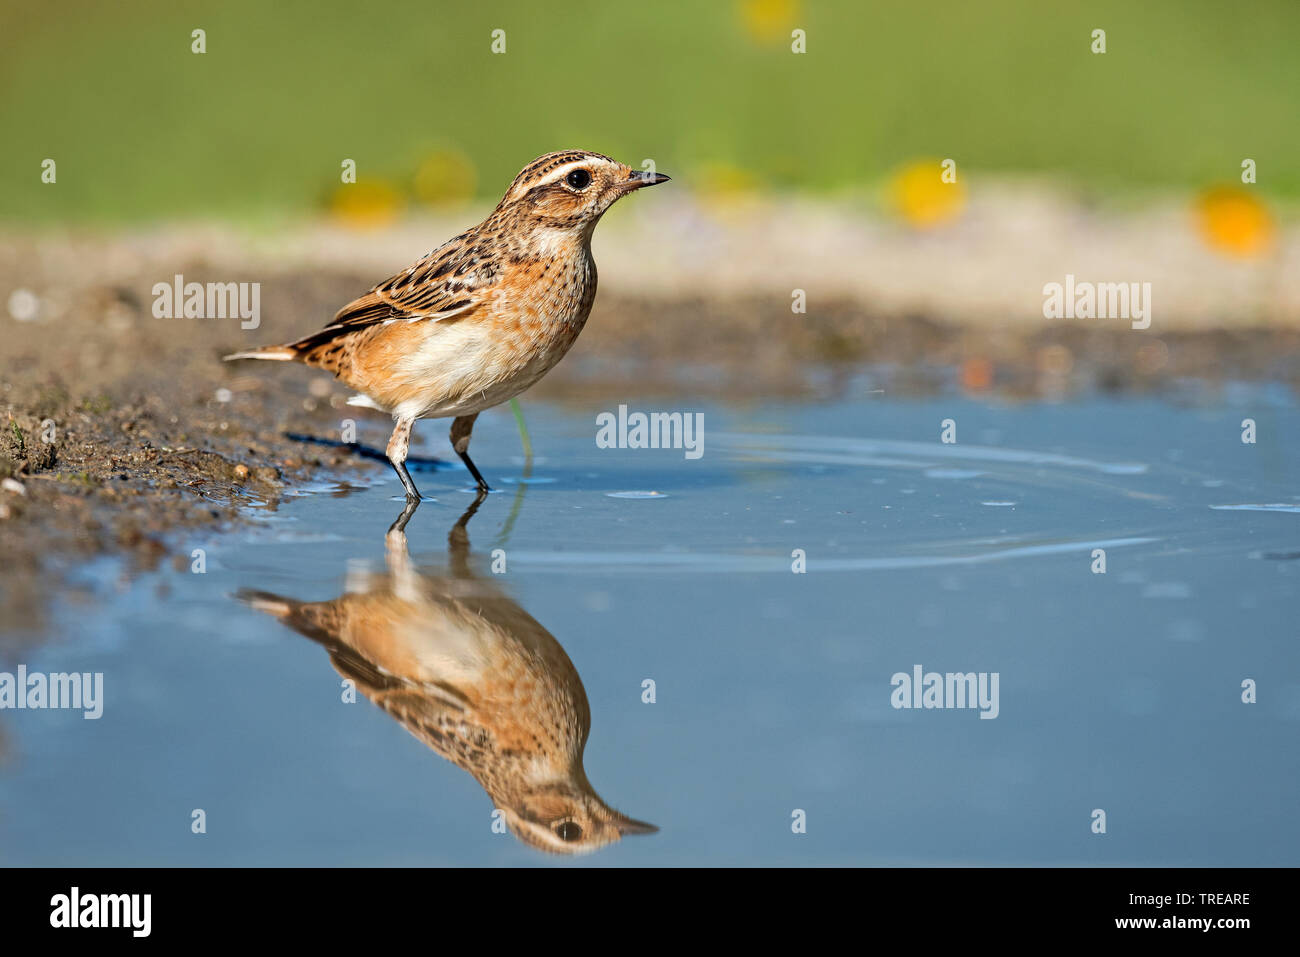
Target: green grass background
x,y
141,128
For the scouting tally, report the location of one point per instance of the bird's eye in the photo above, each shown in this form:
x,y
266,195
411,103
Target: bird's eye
x,y
578,179
568,831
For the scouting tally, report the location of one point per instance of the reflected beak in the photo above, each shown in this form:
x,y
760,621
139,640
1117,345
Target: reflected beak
x,y
637,179
626,825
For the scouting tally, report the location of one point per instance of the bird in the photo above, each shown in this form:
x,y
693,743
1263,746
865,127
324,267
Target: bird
x,y
483,317
474,677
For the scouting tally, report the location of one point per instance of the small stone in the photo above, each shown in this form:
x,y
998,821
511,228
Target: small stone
x,y
24,305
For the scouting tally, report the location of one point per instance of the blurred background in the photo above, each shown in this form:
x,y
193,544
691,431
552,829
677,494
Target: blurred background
x,y
820,170
256,127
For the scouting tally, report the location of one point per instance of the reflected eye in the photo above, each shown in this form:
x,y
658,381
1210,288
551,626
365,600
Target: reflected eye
x,y
578,179
568,831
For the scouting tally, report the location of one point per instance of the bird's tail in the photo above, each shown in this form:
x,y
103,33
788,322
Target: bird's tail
x,y
276,353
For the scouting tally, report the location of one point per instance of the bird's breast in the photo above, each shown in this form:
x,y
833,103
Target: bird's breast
x,y
524,327
540,310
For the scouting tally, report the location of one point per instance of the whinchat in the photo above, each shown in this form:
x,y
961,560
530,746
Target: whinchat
x,y
475,678
481,318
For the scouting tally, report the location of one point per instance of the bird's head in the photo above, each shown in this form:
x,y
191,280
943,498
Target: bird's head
x,y
571,190
568,818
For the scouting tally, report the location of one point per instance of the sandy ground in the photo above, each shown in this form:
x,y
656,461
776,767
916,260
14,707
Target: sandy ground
x,y
118,428
986,269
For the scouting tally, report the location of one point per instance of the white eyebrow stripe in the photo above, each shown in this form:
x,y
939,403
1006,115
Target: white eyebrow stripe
x,y
562,171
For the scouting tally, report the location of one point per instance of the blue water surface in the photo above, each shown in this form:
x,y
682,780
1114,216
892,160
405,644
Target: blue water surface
x,y
1120,692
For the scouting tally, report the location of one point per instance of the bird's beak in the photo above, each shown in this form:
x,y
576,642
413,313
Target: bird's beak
x,y
637,179
624,824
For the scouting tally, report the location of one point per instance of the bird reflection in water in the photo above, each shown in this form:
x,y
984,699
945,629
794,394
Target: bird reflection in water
x,y
473,676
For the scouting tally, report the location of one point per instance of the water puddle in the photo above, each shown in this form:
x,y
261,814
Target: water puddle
x,y
731,654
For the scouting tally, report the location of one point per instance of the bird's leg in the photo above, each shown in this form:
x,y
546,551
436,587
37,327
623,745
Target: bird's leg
x,y
461,427
399,527
458,538
397,447
405,580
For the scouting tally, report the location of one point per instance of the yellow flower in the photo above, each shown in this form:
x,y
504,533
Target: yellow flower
x,y
768,21
921,198
445,178
724,188
367,204
1233,221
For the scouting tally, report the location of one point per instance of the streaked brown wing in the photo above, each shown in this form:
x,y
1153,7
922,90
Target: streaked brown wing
x,y
443,284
